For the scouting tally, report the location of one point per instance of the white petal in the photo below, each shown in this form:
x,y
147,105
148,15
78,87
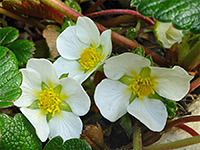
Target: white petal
x,y
72,67
38,120
126,63
68,44
31,85
45,68
87,31
112,99
66,124
172,84
150,112
77,98
183,72
106,43
166,34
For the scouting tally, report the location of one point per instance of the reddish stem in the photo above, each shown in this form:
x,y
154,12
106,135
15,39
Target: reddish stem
x,y
118,39
188,129
121,11
22,19
194,84
180,121
113,22
55,11
95,6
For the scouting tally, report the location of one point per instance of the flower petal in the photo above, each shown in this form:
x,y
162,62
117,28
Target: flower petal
x,y
183,72
150,112
166,34
87,31
173,84
31,85
106,43
45,68
66,124
77,98
68,44
126,63
112,99
38,120
72,67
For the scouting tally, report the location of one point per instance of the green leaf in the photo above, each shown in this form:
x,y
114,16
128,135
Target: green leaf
x,y
5,104
125,123
8,35
17,133
22,49
184,14
66,23
11,77
171,107
72,144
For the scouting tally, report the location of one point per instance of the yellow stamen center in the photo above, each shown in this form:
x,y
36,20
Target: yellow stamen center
x,y
143,86
90,58
49,101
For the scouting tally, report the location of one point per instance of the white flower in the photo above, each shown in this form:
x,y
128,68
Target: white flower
x,y
82,49
132,86
52,106
167,35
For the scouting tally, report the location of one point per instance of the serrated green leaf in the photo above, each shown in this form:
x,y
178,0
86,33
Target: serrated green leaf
x,y
22,49
5,104
11,77
184,14
17,133
8,35
72,144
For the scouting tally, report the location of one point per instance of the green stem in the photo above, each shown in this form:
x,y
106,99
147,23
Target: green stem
x,y
118,39
137,140
176,144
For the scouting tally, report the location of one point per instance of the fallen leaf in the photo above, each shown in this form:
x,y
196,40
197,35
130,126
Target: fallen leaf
x,y
94,136
50,34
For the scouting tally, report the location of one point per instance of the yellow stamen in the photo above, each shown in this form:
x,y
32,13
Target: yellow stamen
x,y
49,101
90,58
143,86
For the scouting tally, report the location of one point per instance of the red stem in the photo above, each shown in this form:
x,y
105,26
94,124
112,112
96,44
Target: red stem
x,y
95,6
194,84
113,22
189,130
55,11
121,11
180,121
